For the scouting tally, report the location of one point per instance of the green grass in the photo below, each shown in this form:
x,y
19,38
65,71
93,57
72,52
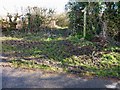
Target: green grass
x,y
32,64
62,50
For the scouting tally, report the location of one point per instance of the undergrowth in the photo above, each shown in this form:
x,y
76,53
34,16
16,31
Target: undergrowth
x,y
68,54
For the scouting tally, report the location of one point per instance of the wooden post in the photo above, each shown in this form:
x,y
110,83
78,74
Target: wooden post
x,y
84,31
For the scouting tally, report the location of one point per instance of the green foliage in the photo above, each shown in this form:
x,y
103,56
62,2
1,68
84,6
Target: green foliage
x,y
29,64
67,54
76,14
112,17
77,40
98,14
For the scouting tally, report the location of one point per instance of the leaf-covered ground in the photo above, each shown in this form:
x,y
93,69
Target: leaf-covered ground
x,y
60,52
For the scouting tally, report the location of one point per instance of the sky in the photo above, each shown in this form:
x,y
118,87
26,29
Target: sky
x,y
13,6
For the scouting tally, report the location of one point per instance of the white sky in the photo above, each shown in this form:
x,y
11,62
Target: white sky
x,y
13,6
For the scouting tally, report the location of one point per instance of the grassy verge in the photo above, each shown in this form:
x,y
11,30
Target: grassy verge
x,y
65,54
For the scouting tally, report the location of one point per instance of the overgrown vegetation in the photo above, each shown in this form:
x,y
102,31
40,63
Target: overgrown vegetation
x,y
66,54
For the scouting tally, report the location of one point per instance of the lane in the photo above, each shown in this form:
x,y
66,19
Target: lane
x,y
21,78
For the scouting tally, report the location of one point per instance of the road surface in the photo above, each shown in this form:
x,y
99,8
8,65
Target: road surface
x,y
22,78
